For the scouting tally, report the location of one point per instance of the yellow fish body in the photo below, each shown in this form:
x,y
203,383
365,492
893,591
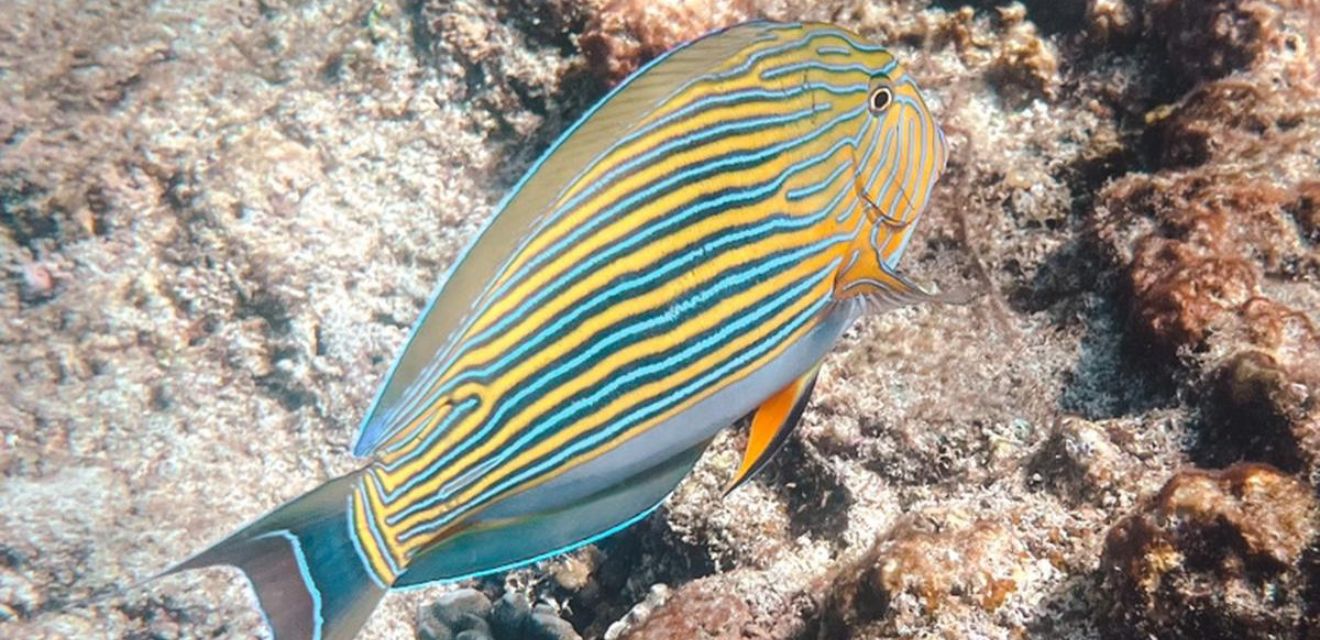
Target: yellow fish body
x,y
684,255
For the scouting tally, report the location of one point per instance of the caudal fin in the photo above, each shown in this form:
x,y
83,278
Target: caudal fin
x,y
304,566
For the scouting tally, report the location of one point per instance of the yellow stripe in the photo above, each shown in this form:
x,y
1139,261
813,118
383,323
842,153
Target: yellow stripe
x,y
915,198
652,173
437,412
367,541
392,480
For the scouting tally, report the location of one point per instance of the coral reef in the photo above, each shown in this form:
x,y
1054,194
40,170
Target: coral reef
x,y
219,219
1220,268
1215,554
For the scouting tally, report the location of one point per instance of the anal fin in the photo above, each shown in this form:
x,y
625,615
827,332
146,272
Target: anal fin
x,y
773,422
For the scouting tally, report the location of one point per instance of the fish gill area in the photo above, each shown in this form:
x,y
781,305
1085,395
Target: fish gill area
x,y
218,220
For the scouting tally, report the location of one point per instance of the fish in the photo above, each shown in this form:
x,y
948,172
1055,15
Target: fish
x,y
686,254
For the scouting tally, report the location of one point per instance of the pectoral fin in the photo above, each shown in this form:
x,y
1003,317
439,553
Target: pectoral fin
x,y
772,424
882,289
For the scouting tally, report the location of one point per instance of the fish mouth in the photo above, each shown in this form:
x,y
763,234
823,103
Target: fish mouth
x,y
873,211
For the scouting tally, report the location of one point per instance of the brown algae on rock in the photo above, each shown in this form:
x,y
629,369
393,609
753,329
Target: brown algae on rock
x,y
1245,530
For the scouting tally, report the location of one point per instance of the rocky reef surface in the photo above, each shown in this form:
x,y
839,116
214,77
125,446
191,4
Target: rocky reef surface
x,y
218,220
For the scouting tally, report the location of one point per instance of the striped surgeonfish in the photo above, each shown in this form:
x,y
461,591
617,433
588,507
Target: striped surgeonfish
x,y
684,255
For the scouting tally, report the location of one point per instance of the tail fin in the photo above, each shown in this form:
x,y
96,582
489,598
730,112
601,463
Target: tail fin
x,y
303,564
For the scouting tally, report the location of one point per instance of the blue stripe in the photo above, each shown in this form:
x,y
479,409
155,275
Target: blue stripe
x,y
774,225
411,399
408,399
590,265
859,167
889,139
753,60
802,193
888,151
441,355
930,184
318,621
910,215
737,71
373,528
460,410
866,159
357,544
750,125
654,189
877,225
867,47
856,67
731,99
833,51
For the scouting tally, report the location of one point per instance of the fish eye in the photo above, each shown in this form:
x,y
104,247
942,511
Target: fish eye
x,y
880,99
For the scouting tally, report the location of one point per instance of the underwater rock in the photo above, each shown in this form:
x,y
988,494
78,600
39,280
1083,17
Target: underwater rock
x,y
473,634
1209,39
1261,404
509,55
624,34
1111,21
1026,64
467,614
1079,462
1008,48
1214,554
700,610
459,609
510,614
934,563
549,626
1209,236
1306,210
655,597
433,630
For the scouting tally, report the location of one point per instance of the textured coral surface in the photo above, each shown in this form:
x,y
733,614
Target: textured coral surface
x,y
218,220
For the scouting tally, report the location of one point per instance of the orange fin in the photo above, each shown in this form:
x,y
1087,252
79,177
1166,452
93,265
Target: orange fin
x,y
771,425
